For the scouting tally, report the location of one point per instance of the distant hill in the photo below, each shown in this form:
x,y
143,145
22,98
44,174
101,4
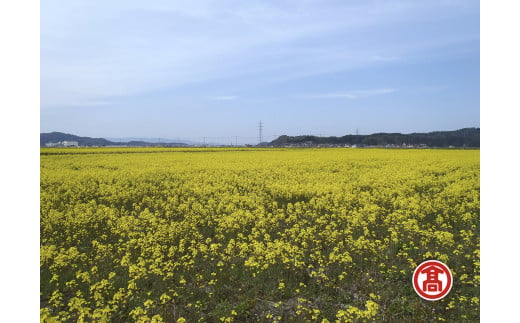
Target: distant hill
x,y
467,137
55,137
153,140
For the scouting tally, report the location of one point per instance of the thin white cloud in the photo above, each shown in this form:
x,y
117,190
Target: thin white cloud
x,y
380,58
350,94
224,98
92,103
94,50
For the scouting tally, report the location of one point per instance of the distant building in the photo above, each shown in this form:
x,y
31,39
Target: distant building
x,y
62,144
70,143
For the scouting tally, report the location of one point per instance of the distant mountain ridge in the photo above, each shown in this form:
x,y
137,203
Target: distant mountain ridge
x,y
152,140
56,137
466,137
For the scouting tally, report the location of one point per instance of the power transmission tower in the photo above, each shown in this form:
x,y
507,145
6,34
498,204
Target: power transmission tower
x,y
260,126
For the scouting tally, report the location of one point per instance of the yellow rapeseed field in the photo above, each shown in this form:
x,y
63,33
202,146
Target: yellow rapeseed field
x,y
256,235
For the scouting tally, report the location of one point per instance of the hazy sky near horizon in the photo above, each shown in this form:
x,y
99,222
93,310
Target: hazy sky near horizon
x,y
214,69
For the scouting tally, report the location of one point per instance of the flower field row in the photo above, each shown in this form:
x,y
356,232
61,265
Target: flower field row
x,y
294,235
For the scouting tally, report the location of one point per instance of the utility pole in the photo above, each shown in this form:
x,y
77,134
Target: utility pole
x,y
236,140
260,126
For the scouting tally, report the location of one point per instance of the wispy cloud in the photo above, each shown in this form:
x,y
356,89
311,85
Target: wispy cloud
x,y
380,58
91,103
224,98
350,94
97,49
72,101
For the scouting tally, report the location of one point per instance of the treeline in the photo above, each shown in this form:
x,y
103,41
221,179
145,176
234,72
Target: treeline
x,y
467,137
55,137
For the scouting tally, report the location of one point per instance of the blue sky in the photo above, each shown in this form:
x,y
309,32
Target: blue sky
x,y
214,69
